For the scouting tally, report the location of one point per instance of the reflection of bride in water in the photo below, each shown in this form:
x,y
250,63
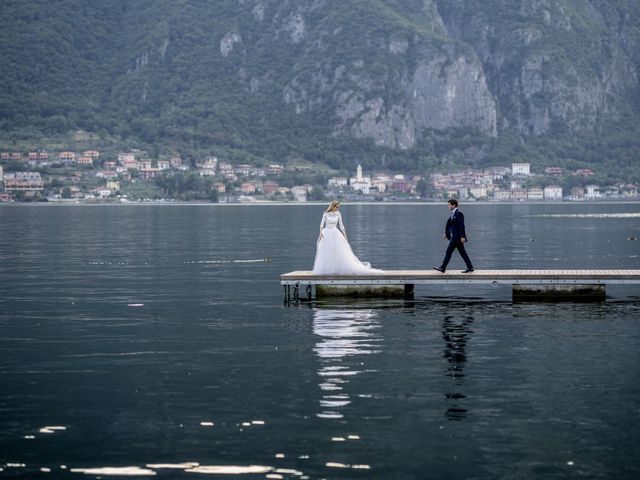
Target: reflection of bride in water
x,y
344,334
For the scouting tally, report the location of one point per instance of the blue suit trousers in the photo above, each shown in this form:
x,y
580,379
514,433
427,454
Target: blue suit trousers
x,y
456,244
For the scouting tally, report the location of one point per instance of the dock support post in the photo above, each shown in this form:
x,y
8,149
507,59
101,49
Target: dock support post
x,y
409,291
555,293
287,293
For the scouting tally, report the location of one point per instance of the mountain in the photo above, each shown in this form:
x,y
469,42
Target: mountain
x,y
412,84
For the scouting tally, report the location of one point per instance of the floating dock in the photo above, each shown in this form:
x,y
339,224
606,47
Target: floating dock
x,y
542,285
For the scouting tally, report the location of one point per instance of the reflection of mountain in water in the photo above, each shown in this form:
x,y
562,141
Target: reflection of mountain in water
x,y
344,334
455,333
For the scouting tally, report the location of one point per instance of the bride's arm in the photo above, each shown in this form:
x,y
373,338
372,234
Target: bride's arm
x,y
341,225
322,224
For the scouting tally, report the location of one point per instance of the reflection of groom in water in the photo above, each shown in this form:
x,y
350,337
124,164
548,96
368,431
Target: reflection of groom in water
x,y
455,233
456,333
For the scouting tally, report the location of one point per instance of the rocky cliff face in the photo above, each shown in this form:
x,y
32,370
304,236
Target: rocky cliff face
x,y
551,65
533,67
410,82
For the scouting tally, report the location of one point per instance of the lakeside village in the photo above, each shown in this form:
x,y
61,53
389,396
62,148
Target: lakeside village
x,y
68,176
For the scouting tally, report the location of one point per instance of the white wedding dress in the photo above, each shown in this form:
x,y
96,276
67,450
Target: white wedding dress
x,y
333,254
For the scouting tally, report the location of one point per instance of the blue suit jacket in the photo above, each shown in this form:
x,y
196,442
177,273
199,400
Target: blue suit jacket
x,y
455,227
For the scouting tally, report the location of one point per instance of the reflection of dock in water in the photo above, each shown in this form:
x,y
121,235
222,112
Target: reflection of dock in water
x,y
343,334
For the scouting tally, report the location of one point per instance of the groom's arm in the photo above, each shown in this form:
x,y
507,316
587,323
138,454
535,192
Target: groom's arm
x,y
463,234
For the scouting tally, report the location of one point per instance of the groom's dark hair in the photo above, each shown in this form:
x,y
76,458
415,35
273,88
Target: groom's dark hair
x,y
453,202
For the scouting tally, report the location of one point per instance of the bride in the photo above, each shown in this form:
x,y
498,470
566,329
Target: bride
x,y
334,254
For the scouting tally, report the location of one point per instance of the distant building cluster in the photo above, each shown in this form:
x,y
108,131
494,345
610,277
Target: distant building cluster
x,y
22,181
241,182
41,158
494,184
87,175
504,183
380,183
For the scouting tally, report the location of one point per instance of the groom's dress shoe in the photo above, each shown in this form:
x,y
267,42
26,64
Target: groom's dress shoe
x,y
440,269
468,270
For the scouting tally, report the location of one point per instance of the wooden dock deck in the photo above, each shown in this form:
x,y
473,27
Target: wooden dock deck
x,y
523,282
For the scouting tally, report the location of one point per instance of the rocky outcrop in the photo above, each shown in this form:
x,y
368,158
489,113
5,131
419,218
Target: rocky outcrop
x,y
412,84
554,68
437,94
228,42
469,70
451,91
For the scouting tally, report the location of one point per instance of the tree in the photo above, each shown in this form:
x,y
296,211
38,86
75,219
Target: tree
x,y
422,187
55,183
317,193
56,124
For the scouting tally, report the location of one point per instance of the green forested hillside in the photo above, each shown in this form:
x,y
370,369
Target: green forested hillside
x,y
401,84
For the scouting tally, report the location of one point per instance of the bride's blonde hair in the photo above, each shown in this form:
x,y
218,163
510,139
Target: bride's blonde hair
x,y
333,206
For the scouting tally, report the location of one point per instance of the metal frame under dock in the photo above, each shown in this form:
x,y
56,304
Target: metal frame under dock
x,y
526,284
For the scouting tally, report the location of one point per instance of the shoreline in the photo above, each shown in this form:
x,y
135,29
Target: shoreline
x,y
302,204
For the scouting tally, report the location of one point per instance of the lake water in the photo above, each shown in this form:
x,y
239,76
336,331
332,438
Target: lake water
x,y
152,336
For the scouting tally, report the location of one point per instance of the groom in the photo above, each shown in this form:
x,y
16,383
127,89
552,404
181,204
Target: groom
x,y
454,232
